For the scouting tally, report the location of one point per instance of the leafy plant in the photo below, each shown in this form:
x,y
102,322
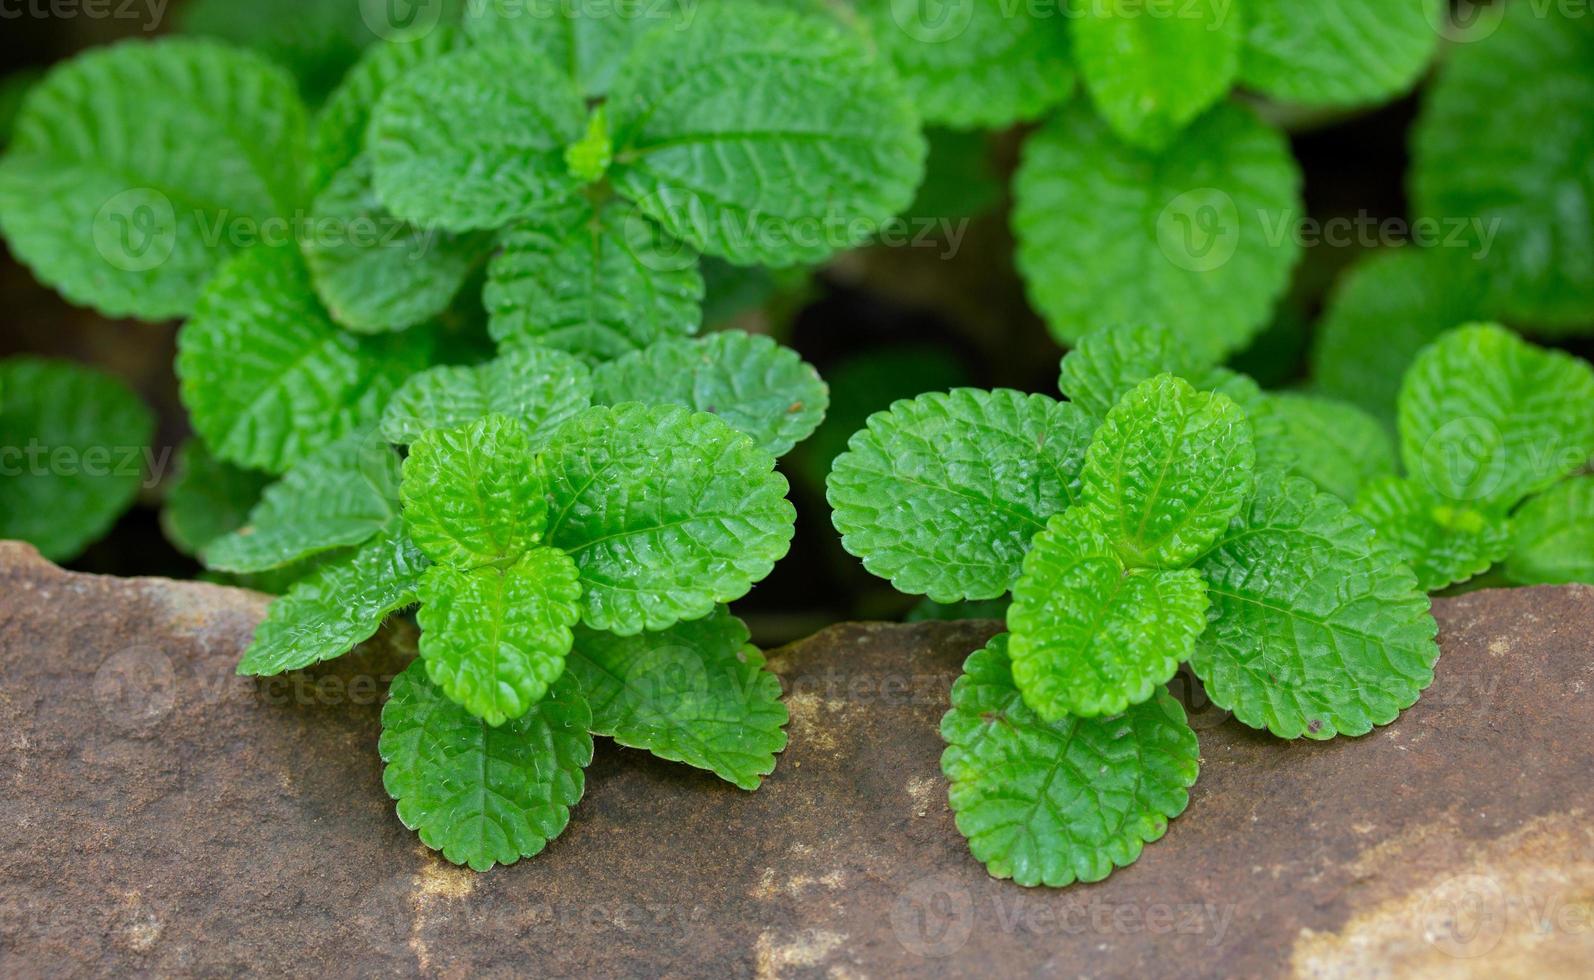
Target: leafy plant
x,y
1143,523
1488,421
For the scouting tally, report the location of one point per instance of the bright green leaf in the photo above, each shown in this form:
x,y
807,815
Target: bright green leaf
x,y
762,136
73,448
754,384
1442,541
494,638
695,693
596,283
542,388
1200,236
1167,471
1334,444
338,496
268,378
667,511
483,795
1318,628
588,39
135,170
1150,75
1105,364
942,494
1070,801
474,495
1338,52
1553,539
1090,637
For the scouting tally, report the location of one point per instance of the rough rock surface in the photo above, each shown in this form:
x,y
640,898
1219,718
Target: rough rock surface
x,y
161,816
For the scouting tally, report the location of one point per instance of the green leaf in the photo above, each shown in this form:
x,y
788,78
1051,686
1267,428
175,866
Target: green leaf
x,y
1381,313
135,170
474,495
268,378
762,136
1199,236
1317,627
376,273
1089,636
587,39
1503,142
1486,418
1167,471
340,606
754,384
494,638
668,512
338,496
1107,363
1441,540
596,281
207,499
942,494
1338,52
483,795
976,64
1149,75
1553,541
73,447
1336,445
338,137
475,139
1070,801
317,40
696,693
542,388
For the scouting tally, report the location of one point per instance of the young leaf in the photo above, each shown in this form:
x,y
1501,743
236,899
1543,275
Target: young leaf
x,y
134,168
474,495
979,66
1381,314
1318,627
754,384
338,607
668,512
483,795
338,496
1107,363
586,38
475,139
596,280
1057,803
1338,52
1336,445
695,693
1198,235
1149,76
1486,418
268,378
73,443
542,388
763,137
374,272
1167,471
1553,540
1090,637
208,499
1503,140
494,638
943,493
1443,541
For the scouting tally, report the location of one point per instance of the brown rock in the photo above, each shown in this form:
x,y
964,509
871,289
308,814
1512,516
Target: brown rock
x,y
161,816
